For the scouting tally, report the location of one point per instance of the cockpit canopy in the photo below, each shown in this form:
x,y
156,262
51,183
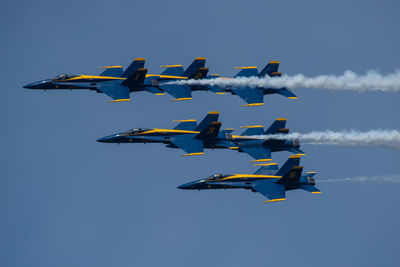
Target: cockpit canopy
x,y
216,176
136,131
63,77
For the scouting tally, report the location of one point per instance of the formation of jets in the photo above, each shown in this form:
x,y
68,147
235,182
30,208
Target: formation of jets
x,y
118,83
192,137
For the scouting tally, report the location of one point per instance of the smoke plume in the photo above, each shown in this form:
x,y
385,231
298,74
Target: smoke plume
x,y
371,81
371,138
359,179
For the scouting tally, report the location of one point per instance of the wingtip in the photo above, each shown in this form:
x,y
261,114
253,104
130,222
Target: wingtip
x,y
193,154
252,105
119,100
275,200
181,99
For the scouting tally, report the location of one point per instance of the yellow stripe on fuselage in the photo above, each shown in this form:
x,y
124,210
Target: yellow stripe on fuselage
x,y
246,176
91,77
167,76
165,131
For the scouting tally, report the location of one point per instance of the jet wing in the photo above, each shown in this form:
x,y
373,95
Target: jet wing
x,y
256,152
190,145
115,91
180,92
271,190
253,96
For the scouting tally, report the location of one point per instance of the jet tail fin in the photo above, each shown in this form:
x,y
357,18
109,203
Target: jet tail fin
x,y
211,117
277,127
271,69
210,131
191,71
201,73
138,63
292,162
135,78
293,176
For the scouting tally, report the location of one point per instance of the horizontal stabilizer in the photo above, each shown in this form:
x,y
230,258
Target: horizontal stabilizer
x,y
311,189
215,89
223,133
210,131
286,92
138,63
310,174
211,117
154,90
296,151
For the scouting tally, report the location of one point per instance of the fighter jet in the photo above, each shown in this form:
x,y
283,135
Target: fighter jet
x,y
117,83
268,180
193,138
255,96
159,84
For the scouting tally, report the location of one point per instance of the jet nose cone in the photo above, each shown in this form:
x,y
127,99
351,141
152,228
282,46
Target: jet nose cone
x,y
31,86
103,140
186,186
37,85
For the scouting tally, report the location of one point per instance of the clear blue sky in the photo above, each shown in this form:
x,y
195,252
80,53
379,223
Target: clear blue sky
x,y
66,200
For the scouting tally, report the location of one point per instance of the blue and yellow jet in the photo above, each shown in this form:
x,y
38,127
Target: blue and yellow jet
x,y
118,84
268,180
255,96
193,138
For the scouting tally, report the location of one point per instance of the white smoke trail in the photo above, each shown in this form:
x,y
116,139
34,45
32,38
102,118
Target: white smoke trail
x,y
359,179
371,81
371,138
